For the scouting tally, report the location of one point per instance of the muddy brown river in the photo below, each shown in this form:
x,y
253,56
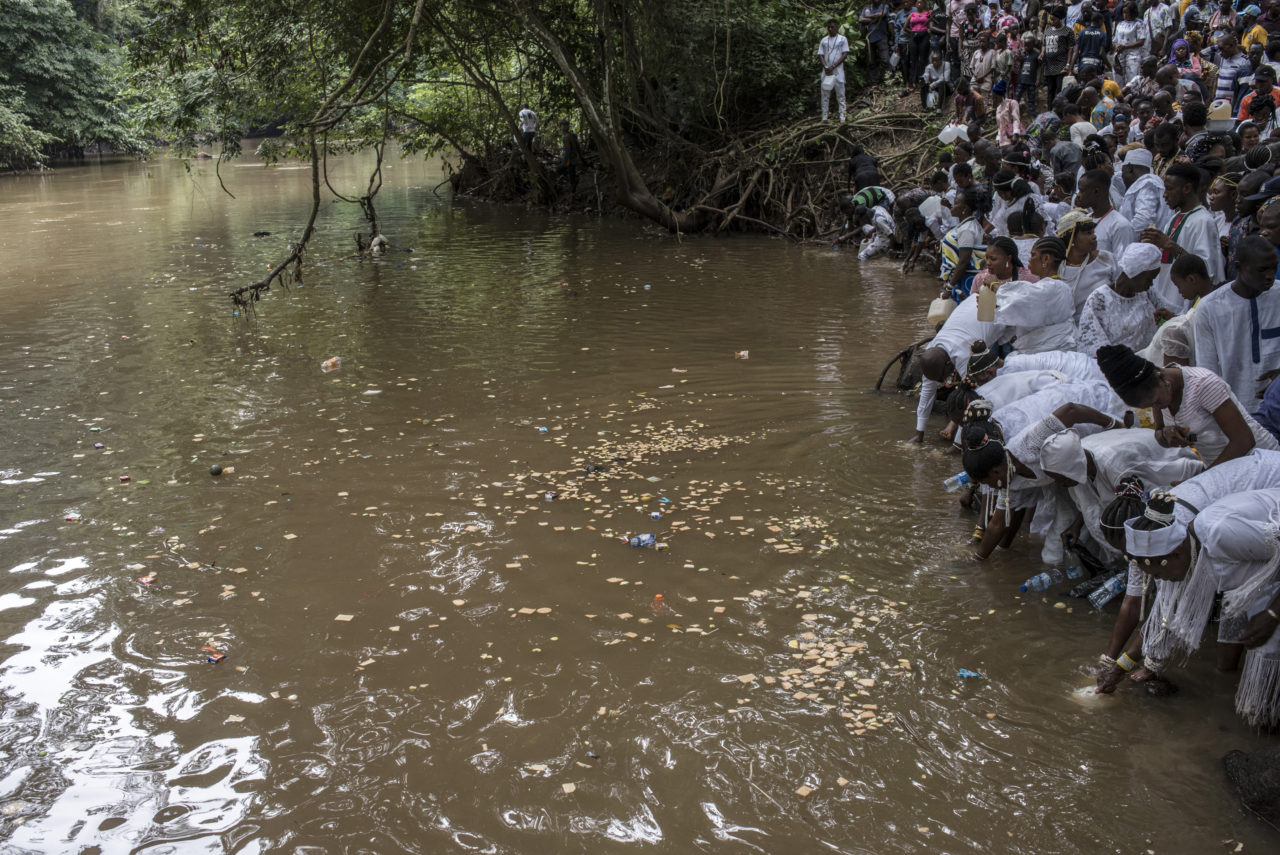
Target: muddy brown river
x,y
415,649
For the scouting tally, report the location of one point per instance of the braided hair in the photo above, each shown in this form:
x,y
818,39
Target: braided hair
x,y
1133,378
1129,502
1006,245
982,441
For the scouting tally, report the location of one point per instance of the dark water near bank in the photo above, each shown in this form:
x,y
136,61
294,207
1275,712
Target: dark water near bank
x,y
422,653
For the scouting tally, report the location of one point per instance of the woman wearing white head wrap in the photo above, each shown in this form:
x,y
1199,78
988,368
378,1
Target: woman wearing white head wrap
x,y
1013,466
1091,468
1181,609
1231,547
1123,312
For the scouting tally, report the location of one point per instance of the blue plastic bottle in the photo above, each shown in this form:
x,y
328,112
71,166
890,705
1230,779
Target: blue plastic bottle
x,y
643,540
956,481
1041,581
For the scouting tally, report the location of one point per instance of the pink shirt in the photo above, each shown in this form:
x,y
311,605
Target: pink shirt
x,y
955,12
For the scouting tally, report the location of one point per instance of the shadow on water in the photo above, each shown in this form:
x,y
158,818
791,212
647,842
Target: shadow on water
x,y
422,652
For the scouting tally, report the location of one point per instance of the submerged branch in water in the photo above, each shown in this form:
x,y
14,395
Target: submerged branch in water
x,y
247,295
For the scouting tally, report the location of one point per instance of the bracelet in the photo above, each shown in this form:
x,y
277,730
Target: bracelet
x,y
1152,664
1273,614
1125,663
1106,661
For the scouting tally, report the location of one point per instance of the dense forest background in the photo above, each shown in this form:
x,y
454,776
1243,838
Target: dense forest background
x,y
696,114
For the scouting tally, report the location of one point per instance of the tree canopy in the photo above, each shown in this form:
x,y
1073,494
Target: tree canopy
x,y
62,78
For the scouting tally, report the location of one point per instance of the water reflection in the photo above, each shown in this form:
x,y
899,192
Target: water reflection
x,y
424,654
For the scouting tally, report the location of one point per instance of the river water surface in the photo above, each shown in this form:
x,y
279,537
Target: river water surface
x,y
422,652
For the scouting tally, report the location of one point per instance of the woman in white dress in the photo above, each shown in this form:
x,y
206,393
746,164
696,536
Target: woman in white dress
x,y
1086,268
1042,313
1229,547
1124,311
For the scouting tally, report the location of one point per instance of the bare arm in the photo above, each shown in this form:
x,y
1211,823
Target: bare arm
x,y
1240,439
1075,414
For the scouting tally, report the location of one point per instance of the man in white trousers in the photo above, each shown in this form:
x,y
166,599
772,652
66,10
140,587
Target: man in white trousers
x,y
832,50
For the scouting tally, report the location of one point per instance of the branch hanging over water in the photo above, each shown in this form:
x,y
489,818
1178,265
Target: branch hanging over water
x,y
246,296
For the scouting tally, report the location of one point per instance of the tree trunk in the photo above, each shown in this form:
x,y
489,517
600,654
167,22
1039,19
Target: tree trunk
x,y
632,191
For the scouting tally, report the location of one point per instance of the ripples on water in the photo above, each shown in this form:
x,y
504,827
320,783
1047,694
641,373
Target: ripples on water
x,y
439,717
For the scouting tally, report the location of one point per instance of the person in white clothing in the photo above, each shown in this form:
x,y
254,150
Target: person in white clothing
x,y
1237,327
1113,231
1041,313
1175,339
1087,267
832,50
1190,231
528,126
1143,203
948,354
877,229
1092,468
1122,312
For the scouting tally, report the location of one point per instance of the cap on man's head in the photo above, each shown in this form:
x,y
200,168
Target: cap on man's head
x,y
1138,157
1268,71
1251,10
1270,189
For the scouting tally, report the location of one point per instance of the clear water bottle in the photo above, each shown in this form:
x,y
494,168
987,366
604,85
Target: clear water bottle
x,y
1109,590
643,540
1074,571
1041,581
956,481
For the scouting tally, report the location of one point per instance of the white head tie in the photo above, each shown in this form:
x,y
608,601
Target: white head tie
x,y
1139,258
1154,543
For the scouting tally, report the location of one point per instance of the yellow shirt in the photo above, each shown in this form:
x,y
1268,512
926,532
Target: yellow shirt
x,y
1257,34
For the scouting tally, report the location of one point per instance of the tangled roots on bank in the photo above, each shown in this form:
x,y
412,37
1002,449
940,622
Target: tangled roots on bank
x,y
785,181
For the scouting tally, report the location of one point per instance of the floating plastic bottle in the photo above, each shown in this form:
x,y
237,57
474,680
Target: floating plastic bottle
x,y
655,515
333,363
641,541
956,481
1041,581
1074,570
1110,589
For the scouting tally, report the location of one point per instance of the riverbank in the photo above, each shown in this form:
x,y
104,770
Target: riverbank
x,y
781,181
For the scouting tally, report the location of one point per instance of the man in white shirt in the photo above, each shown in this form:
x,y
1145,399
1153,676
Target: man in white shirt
x,y
528,125
1190,231
1237,326
1093,193
832,50
1143,204
949,353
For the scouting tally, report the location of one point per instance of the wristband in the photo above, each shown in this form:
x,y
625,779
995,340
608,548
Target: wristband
x,y
1106,661
1125,663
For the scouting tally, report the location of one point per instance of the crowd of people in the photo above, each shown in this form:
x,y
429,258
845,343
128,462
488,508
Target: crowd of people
x,y
1108,327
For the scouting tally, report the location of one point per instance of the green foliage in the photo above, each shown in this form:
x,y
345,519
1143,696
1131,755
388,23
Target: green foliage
x,y
60,80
